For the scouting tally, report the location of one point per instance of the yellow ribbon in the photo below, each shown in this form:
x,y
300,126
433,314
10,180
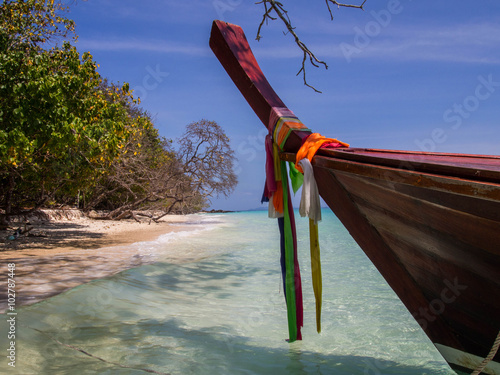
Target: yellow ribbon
x,y
316,270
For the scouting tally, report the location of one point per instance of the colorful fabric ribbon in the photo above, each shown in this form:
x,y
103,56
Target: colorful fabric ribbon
x,y
296,177
316,270
310,206
312,144
293,283
282,122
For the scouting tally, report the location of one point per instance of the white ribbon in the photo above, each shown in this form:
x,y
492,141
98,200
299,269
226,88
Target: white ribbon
x,y
310,204
272,213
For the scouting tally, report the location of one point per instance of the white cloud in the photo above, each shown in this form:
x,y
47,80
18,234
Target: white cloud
x,y
466,43
142,45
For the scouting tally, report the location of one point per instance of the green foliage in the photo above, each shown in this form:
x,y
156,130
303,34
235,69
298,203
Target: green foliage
x,y
67,135
150,174
59,128
27,24
51,108
142,153
56,122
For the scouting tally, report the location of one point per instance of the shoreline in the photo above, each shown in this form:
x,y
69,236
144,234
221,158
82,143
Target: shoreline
x,y
61,254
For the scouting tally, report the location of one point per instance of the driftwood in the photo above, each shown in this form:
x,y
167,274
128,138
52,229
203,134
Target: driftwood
x,y
138,216
19,232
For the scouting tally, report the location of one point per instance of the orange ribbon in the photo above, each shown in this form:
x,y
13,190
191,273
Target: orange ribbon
x,y
311,145
278,197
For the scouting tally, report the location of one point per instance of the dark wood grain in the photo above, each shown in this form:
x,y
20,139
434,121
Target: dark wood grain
x,y
429,222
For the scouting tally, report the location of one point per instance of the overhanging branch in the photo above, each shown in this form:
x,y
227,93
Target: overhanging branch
x,y
275,7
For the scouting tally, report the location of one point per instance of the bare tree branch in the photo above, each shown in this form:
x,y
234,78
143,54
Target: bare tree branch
x,y
276,7
342,5
155,177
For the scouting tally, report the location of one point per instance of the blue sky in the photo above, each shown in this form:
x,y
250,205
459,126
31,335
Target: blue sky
x,y
402,74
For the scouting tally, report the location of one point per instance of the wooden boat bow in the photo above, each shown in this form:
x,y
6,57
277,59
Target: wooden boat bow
x,y
229,44
429,222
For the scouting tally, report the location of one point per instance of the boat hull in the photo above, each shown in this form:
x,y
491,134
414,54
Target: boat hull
x,y
435,239
429,222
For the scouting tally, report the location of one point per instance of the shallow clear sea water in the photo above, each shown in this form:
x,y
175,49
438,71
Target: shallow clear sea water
x,y
223,312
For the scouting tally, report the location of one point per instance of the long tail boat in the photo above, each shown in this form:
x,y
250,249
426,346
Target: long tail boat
x,y
429,222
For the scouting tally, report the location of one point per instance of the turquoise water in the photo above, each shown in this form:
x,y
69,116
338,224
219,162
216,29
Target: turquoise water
x,y
223,312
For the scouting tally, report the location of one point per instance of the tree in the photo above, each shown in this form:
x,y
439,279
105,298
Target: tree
x,y
276,8
151,174
29,24
56,124
67,136
208,159
140,175
58,127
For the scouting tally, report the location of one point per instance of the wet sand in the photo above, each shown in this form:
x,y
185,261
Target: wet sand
x,y
59,255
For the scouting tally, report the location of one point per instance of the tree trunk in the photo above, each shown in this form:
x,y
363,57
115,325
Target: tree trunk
x,y
4,218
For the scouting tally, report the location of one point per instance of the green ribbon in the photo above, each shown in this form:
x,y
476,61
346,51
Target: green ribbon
x,y
289,261
296,177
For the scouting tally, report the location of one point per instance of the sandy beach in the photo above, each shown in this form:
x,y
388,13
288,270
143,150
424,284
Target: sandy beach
x,y
60,254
